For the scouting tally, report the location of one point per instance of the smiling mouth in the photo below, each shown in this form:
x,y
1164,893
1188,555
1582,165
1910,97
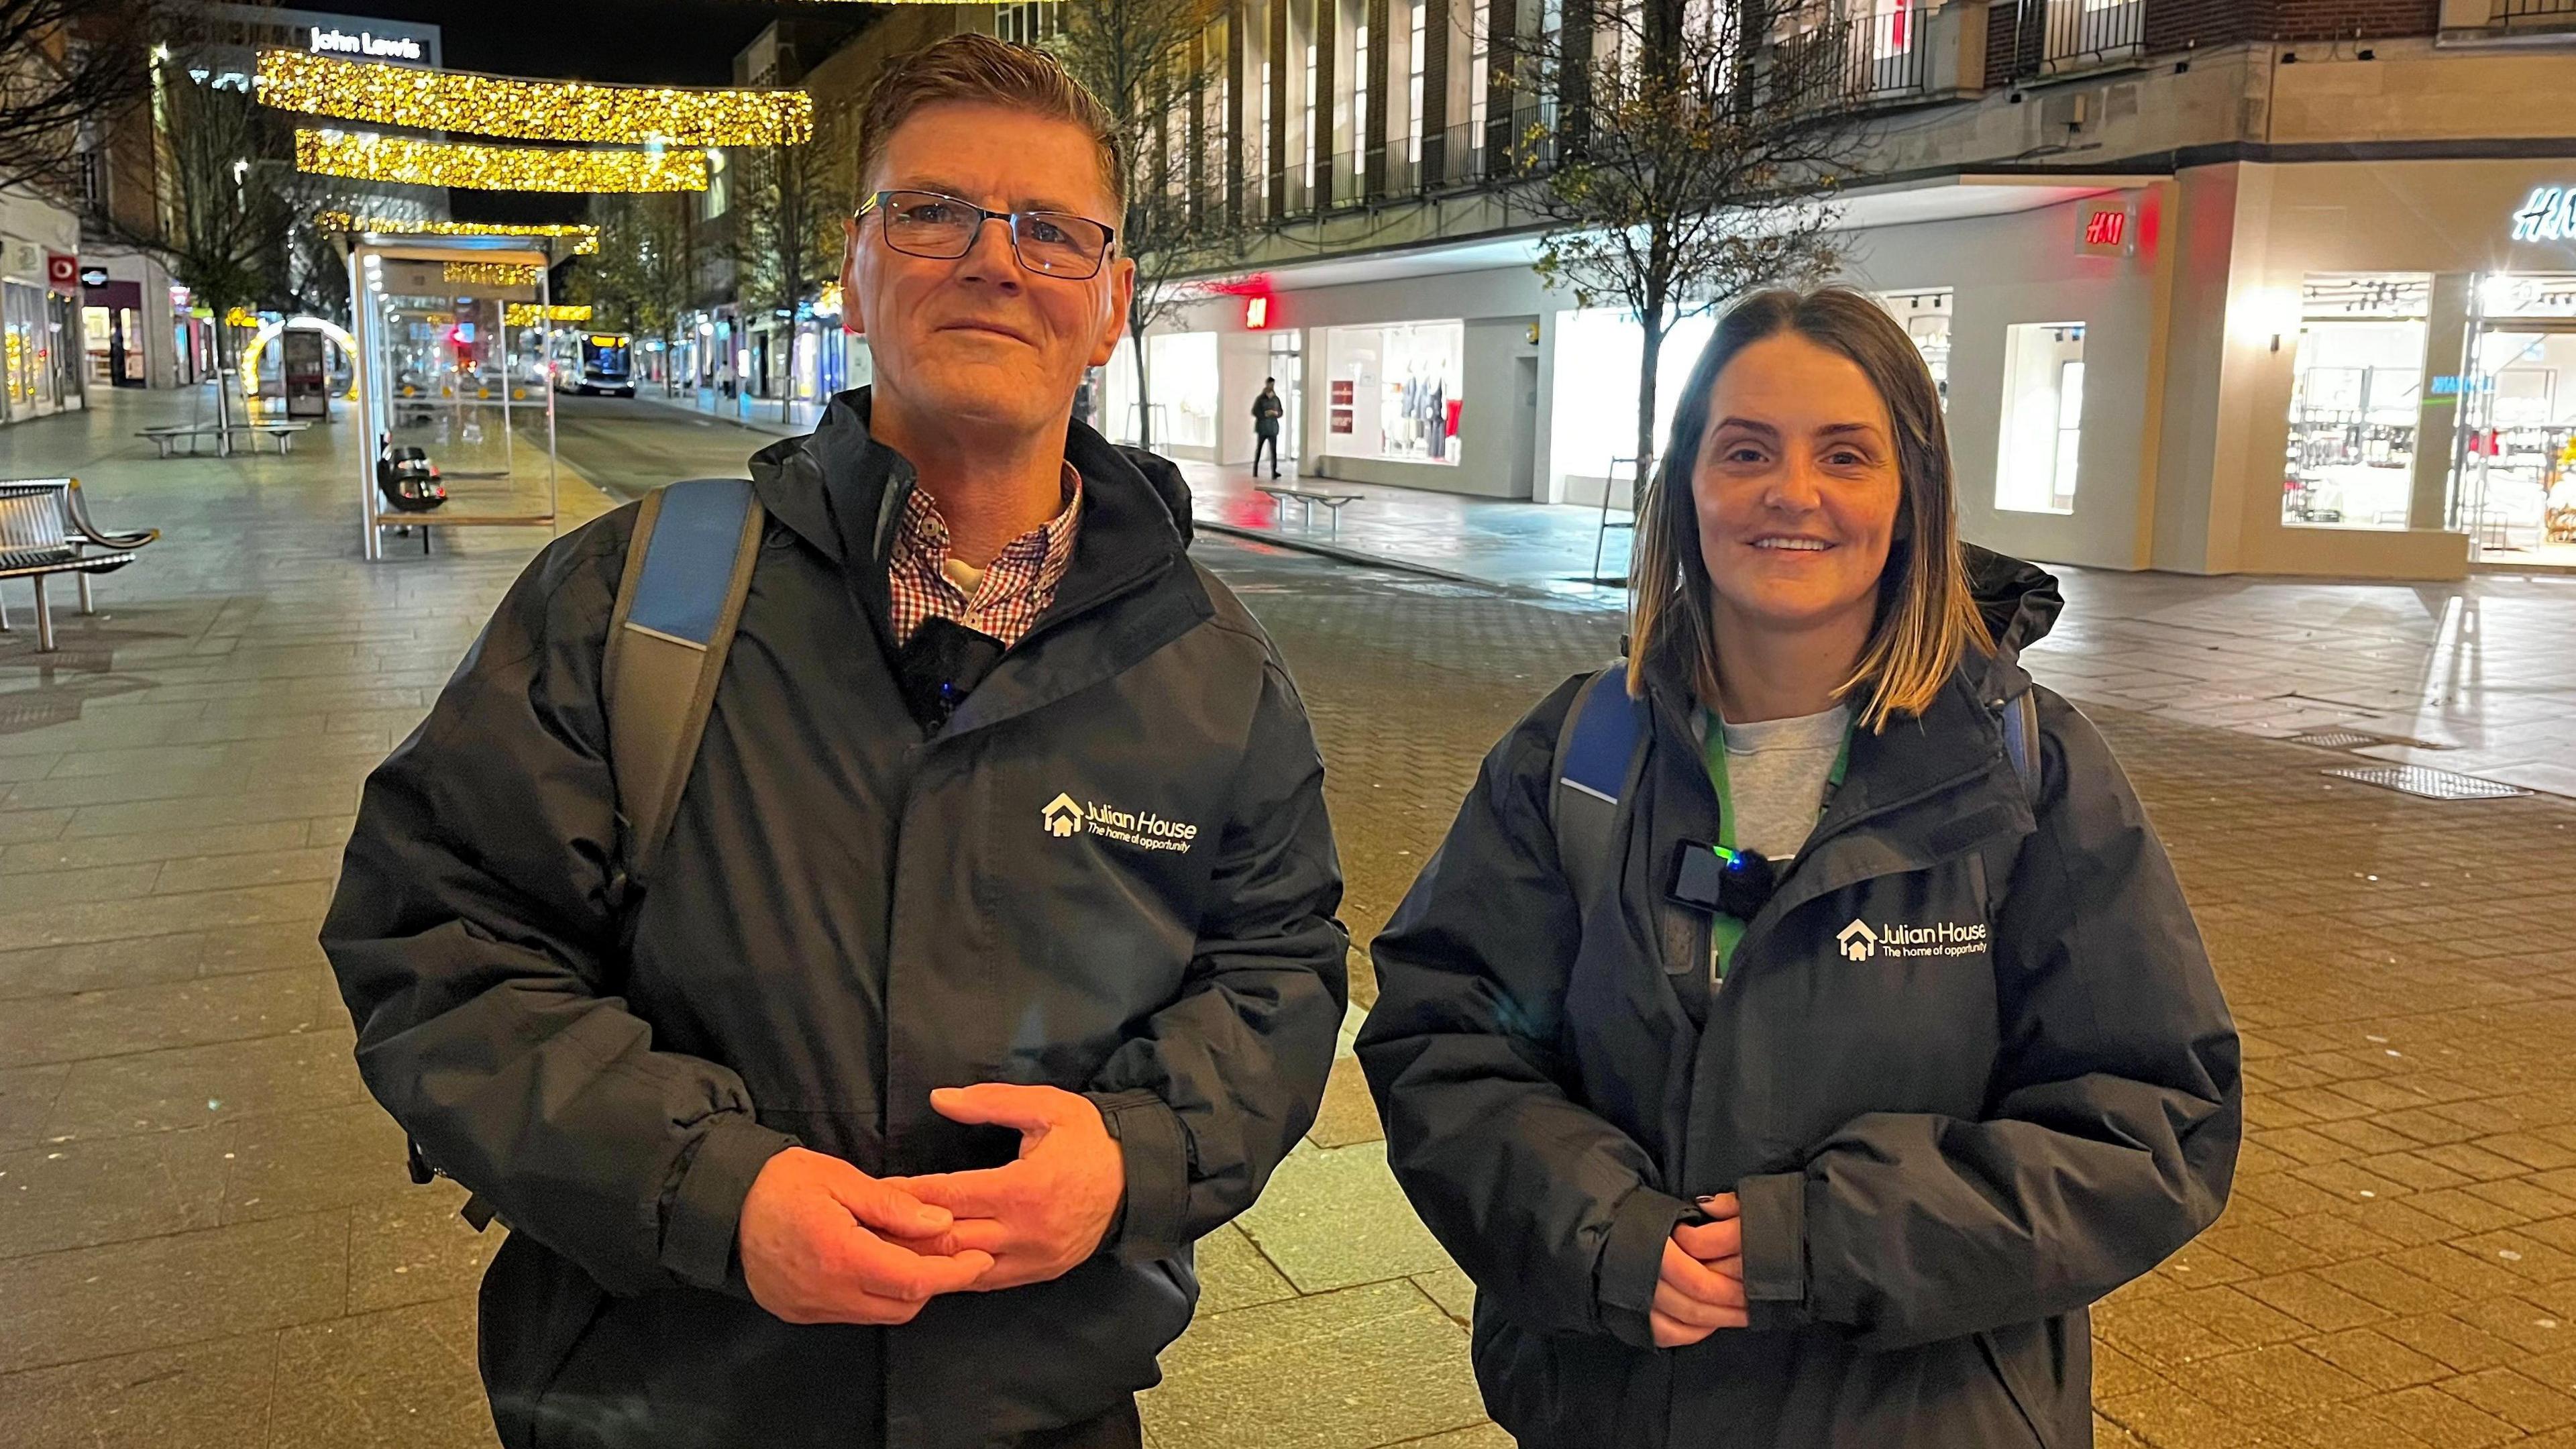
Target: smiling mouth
x,y
1793,545
987,328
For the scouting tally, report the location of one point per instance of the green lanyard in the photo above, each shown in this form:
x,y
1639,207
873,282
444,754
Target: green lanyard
x,y
1725,931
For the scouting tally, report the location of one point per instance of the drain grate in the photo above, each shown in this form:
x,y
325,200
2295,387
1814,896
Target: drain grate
x,y
2353,739
2430,784
2336,739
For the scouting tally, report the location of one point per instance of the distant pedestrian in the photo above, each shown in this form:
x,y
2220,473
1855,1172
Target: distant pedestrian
x,y
868,1085
1802,1025
1267,410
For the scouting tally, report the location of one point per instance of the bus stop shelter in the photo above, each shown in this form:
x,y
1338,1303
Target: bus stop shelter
x,y
449,362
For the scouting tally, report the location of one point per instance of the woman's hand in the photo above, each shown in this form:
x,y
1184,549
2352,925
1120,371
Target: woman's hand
x,y
1701,1287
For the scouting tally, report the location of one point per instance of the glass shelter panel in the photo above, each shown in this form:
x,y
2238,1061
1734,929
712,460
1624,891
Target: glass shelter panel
x,y
446,373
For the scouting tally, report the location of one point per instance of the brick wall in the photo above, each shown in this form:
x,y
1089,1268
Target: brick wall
x,y
2174,25
2003,22
2372,19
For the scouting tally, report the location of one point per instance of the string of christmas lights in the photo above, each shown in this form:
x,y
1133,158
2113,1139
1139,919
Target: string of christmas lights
x,y
400,160
492,274
585,239
531,110
529,314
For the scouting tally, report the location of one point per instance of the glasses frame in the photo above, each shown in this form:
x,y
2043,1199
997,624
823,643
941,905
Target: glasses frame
x,y
1011,220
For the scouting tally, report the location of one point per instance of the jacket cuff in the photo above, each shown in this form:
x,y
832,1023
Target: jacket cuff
x,y
1632,1263
1152,1220
698,1232
1773,1211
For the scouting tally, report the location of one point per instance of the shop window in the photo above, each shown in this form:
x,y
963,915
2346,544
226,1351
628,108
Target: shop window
x,y
1600,353
1396,391
2043,428
2356,400
1181,369
1925,316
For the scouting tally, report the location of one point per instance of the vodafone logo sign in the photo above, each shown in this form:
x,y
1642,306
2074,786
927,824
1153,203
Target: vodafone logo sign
x,y
62,273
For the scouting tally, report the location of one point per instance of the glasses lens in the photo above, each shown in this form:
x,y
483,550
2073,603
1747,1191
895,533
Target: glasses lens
x,y
927,224
1059,244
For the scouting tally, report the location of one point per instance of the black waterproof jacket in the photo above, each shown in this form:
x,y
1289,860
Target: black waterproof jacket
x,y
1969,1071
846,915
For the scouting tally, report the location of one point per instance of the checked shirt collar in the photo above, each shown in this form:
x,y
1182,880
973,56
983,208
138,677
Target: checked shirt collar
x,y
1014,589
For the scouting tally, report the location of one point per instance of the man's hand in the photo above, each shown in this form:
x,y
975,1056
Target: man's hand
x,y
1041,1215
1701,1288
810,1257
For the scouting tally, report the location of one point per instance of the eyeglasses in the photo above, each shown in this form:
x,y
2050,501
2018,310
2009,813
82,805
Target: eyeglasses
x,y
1050,243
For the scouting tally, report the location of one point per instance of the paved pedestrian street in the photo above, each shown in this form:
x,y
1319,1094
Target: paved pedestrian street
x,y
207,1237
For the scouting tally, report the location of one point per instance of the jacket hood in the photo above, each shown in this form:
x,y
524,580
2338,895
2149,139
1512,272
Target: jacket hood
x,y
2020,601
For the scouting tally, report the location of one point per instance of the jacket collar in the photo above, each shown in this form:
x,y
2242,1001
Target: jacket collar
x,y
843,492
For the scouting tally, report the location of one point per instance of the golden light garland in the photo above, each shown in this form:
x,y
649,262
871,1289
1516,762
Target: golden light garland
x,y
402,161
492,274
585,239
529,314
531,110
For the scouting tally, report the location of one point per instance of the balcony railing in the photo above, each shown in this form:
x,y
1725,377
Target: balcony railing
x,y
1870,61
2073,35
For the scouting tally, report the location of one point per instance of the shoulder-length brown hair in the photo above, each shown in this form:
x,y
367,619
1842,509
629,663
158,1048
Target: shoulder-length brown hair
x,y
1927,620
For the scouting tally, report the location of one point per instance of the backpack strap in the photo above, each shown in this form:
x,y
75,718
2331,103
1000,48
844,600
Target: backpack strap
x,y
1593,755
688,569
2020,722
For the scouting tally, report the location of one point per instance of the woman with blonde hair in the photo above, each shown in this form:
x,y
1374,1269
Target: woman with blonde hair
x,y
1802,1023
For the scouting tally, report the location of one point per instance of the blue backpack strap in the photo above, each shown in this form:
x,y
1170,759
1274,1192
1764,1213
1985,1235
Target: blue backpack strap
x,y
688,569
1594,753
2021,740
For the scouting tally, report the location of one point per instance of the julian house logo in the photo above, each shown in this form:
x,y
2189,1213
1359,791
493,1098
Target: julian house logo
x,y
1065,817
1859,941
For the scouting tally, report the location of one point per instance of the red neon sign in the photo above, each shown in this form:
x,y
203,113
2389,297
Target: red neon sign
x,y
2106,229
1256,313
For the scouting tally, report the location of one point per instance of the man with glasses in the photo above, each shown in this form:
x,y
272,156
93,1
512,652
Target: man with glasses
x,y
989,958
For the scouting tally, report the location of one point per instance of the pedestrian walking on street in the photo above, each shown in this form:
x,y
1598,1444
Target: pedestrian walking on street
x,y
859,1069
1802,1024
1267,410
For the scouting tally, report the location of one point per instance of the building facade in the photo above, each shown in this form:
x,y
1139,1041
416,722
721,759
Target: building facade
x,y
2282,286
141,326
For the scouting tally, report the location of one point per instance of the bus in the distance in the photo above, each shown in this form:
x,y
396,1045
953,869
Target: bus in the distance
x,y
587,362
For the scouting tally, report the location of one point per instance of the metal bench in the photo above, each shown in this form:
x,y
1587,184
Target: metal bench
x,y
167,435
45,530
1281,494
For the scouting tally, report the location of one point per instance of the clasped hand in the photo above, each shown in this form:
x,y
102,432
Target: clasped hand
x,y
822,1242
1701,1287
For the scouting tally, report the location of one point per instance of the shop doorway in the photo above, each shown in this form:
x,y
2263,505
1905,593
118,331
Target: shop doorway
x,y
1288,364
2515,454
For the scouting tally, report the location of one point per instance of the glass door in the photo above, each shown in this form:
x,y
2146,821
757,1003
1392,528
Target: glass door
x,y
1288,364
2517,446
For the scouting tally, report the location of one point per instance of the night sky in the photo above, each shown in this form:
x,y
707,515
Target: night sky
x,y
669,42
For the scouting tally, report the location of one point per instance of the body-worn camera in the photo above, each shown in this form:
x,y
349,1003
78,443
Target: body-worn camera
x,y
1736,883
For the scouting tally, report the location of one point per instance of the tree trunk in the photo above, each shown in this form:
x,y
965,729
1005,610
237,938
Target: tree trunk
x,y
1650,365
223,386
1144,408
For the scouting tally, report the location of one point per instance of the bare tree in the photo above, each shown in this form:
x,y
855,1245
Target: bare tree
x,y
1159,66
65,65
224,205
790,235
1695,151
641,278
